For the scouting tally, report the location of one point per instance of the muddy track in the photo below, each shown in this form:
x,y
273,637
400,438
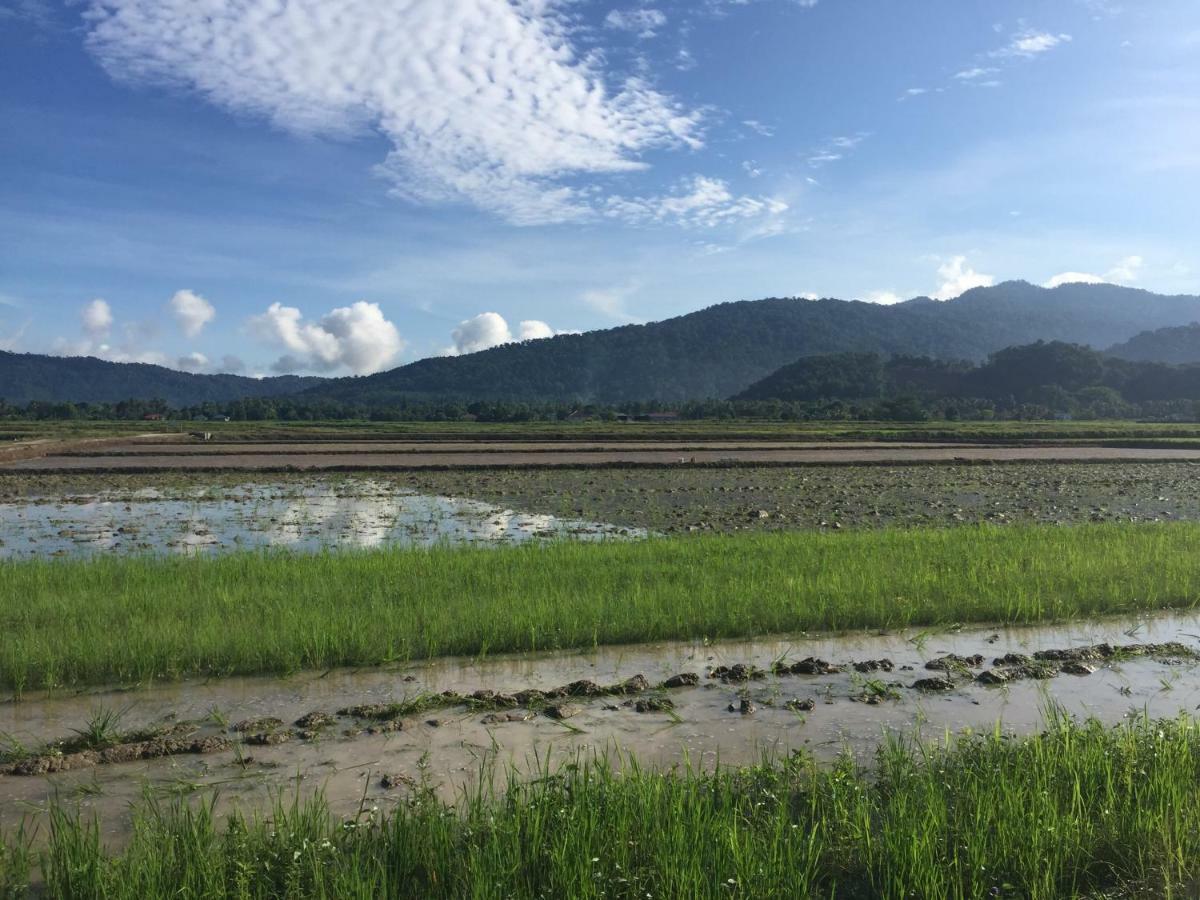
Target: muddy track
x,y
635,694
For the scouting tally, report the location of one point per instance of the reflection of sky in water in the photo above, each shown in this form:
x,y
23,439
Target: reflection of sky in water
x,y
303,518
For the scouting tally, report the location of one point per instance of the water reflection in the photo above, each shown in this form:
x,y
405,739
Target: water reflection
x,y
360,514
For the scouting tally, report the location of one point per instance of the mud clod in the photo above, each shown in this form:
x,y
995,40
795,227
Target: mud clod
x,y
652,704
933,685
814,666
501,718
264,723
157,748
269,738
314,721
397,780
874,665
737,674
684,679
746,707
562,711
635,685
1078,668
952,662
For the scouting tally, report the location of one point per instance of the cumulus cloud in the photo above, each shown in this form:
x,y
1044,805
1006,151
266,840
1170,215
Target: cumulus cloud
x,y
490,329
1124,272
97,319
642,21
1030,43
192,312
232,365
697,202
884,298
483,101
193,362
357,337
957,277
1073,278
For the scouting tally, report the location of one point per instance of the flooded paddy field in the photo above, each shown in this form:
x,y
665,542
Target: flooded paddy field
x,y
302,515
57,512
377,734
366,456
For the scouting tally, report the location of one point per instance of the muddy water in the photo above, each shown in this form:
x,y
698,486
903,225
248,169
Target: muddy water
x,y
306,517
447,746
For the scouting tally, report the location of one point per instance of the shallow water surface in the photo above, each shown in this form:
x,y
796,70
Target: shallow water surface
x,y
306,517
446,746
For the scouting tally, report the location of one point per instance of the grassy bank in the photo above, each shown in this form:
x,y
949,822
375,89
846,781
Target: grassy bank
x,y
138,619
1080,811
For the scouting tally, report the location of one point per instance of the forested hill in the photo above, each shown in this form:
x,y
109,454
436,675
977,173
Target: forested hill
x,y
26,377
1058,377
1165,345
720,351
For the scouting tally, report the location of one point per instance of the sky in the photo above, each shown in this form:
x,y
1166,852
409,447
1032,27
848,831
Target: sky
x,y
343,186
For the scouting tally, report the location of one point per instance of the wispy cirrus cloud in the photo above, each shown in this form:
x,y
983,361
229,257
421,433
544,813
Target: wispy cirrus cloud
x,y
508,120
698,202
1029,43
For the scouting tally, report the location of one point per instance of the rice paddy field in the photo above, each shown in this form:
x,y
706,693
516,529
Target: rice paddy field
x,y
966,674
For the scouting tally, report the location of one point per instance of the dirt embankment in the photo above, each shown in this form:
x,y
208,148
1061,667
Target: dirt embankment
x,y
43,447
124,458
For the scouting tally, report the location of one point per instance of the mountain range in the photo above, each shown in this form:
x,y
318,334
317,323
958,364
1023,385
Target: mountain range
x,y
26,377
715,352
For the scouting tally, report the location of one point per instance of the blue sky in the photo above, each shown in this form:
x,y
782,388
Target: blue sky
x,y
341,186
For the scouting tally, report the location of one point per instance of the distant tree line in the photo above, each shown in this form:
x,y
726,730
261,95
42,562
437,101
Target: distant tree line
x,y
1036,381
1040,380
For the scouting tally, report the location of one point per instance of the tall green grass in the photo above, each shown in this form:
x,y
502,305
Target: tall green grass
x,y
1078,811
116,619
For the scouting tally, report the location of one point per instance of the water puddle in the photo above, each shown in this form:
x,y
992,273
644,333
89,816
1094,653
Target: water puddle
x,y
705,719
351,514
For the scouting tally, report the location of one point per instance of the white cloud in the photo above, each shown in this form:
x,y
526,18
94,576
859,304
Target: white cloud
x,y
956,277
698,202
490,329
192,312
484,101
1126,269
642,21
357,337
1073,278
835,148
36,12
610,302
759,128
193,362
884,298
534,330
1123,272
97,319
975,73
1030,43
97,323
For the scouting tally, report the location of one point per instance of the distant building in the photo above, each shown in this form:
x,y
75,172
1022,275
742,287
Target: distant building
x,y
154,417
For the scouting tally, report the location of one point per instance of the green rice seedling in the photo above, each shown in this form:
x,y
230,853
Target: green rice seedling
x,y
103,729
274,612
1079,811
